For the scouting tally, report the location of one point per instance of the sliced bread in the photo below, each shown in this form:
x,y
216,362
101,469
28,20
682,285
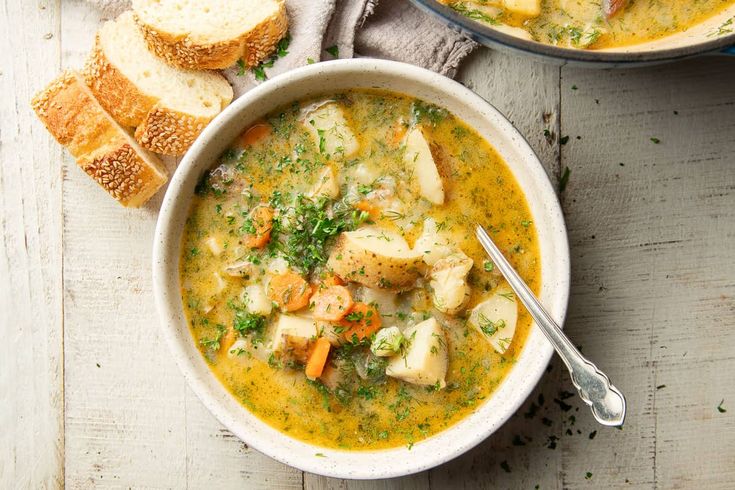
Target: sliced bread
x,y
168,106
212,34
103,149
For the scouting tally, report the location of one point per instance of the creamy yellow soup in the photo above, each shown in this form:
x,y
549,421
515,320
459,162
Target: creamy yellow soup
x,y
419,330
590,24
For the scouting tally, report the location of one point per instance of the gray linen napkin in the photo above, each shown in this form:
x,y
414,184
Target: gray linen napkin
x,y
390,29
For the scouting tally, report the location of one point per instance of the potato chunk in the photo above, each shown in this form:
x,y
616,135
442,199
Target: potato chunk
x,y
293,336
527,8
424,361
495,318
333,332
215,245
331,132
387,342
327,184
256,301
449,282
375,258
384,299
431,243
514,31
418,157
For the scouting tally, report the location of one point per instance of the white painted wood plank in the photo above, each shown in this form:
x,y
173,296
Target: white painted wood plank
x,y
526,92
125,407
217,455
31,377
654,262
131,420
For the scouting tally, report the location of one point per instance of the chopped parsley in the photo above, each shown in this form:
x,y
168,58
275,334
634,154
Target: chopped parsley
x,y
367,392
720,408
259,70
425,112
564,179
474,14
333,50
213,343
509,295
316,222
240,67
248,323
726,28
489,327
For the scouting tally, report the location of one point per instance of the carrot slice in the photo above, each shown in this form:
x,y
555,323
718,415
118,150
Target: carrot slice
x,y
362,320
317,359
332,303
332,280
261,219
366,206
227,340
254,133
398,134
289,290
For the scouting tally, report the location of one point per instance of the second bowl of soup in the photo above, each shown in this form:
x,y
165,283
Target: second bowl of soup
x,y
319,280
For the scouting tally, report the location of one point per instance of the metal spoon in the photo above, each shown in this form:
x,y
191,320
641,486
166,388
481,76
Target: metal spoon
x,y
594,387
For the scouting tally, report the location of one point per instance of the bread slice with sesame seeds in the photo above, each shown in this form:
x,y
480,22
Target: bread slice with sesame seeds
x,y
168,106
101,147
212,34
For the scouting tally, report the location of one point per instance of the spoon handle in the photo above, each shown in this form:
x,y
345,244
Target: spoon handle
x,y
594,387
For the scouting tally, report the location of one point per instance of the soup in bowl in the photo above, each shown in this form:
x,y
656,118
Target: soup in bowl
x,y
591,24
318,276
594,33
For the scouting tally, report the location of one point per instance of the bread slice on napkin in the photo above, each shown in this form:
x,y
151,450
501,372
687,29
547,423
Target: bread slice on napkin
x,y
212,34
103,149
168,106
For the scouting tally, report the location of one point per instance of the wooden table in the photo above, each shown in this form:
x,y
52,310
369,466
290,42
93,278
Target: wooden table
x,y
90,396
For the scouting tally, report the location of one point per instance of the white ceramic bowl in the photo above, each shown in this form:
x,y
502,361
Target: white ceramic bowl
x,y
327,78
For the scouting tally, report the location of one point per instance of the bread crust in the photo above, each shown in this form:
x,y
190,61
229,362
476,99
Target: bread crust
x,y
115,92
169,132
184,52
102,148
158,128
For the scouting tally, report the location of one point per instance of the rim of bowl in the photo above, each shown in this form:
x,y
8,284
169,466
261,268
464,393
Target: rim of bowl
x,y
399,461
489,36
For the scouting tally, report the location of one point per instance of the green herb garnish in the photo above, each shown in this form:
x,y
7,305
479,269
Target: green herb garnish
x,y
564,179
474,14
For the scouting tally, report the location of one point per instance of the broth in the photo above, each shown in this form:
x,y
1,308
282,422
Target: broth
x,y
277,164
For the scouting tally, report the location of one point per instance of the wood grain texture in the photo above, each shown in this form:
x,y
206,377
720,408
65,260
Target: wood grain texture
x,y
650,209
31,378
131,419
